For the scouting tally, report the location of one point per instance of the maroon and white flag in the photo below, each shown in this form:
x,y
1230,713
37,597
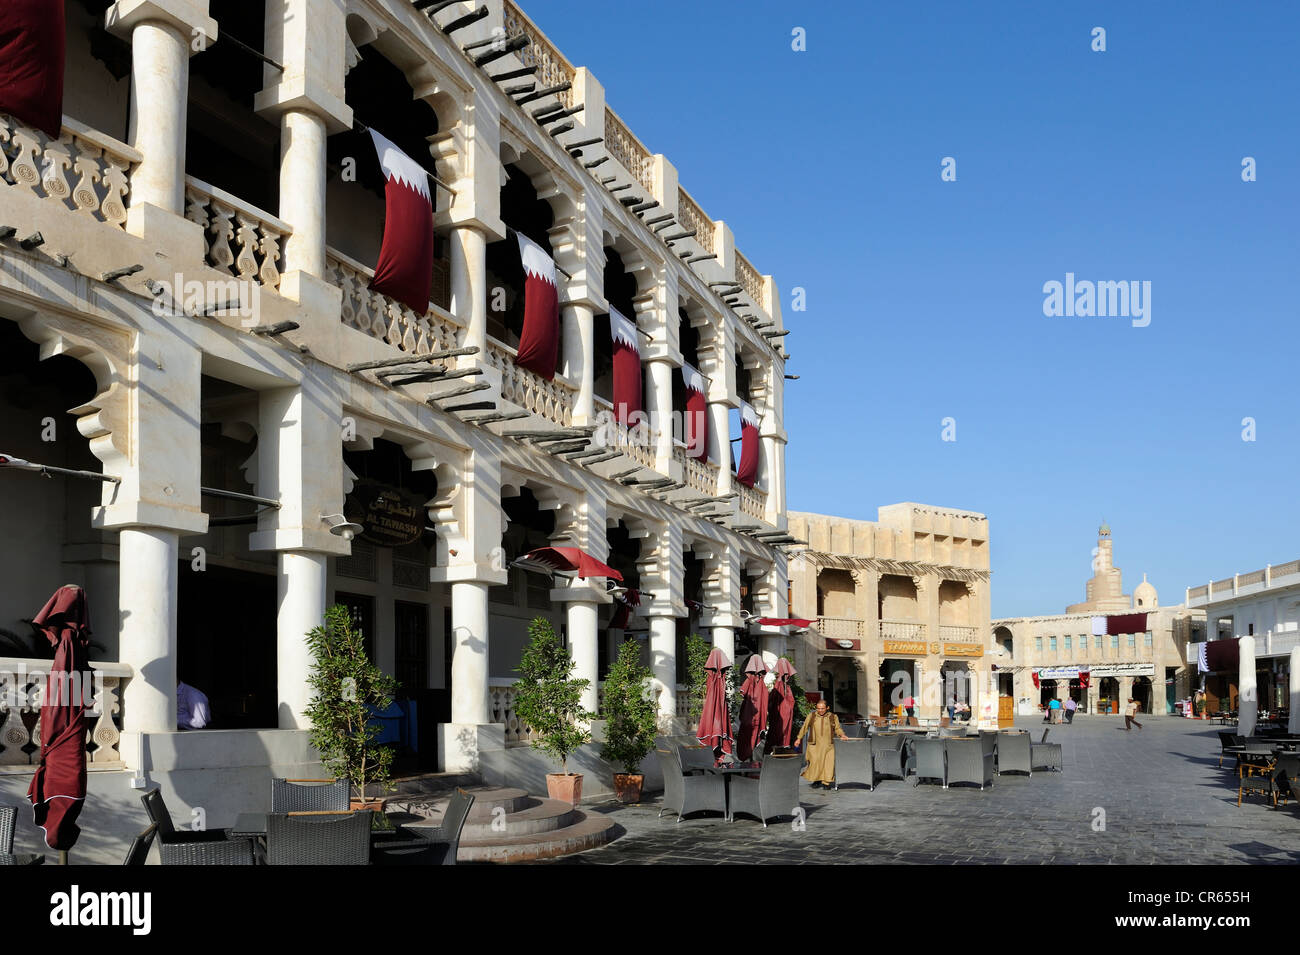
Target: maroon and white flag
x,y
627,367
405,267
697,413
31,63
747,472
539,343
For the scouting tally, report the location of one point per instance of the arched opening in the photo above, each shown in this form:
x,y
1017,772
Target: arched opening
x,y
954,604
526,213
624,552
897,607
620,292
1142,693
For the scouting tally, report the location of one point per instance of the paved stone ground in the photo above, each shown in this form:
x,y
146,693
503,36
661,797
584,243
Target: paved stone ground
x,y
1165,802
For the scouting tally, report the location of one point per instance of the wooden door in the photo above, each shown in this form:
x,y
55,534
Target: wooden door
x,y
1006,711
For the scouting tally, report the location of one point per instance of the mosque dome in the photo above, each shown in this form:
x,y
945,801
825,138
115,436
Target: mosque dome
x,y
1144,594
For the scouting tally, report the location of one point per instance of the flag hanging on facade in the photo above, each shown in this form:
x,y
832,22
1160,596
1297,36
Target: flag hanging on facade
x,y
1126,623
405,267
747,471
627,367
539,344
31,63
697,413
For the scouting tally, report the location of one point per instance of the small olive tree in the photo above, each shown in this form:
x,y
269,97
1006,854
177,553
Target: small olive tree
x,y
630,711
346,685
546,699
697,678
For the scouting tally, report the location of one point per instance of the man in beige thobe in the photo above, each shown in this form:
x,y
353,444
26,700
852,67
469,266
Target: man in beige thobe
x,y
821,727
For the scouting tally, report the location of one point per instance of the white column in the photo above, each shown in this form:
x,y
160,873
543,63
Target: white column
x,y
583,648
147,609
661,407
302,190
1293,721
724,638
159,96
469,283
469,661
300,591
1247,690
663,663
579,350
720,440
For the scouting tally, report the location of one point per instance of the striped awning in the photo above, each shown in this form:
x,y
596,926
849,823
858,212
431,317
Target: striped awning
x,y
885,565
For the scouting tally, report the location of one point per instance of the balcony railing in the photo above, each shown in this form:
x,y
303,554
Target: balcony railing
x,y
901,630
257,236
841,628
552,68
753,502
22,684
956,634
385,318
691,216
699,475
749,279
628,151
83,169
553,400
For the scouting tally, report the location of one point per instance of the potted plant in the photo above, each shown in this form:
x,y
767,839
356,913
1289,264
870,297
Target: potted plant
x,y
631,716
550,703
347,687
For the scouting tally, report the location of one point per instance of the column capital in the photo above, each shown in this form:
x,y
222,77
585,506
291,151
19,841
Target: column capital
x,y
469,573
148,515
300,539
581,591
188,17
305,95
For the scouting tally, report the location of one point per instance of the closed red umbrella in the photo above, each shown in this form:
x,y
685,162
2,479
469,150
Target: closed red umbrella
x,y
781,705
753,707
572,560
58,789
715,722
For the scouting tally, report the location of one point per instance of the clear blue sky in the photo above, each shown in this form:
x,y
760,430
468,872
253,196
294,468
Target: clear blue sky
x,y
925,297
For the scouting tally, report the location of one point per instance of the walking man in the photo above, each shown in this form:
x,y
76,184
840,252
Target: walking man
x,y
1130,712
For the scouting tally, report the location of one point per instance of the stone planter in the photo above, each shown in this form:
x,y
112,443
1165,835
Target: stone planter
x,y
566,787
627,786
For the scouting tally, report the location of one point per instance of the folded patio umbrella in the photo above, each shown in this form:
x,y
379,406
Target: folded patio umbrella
x,y
572,560
715,722
783,622
781,705
58,789
753,707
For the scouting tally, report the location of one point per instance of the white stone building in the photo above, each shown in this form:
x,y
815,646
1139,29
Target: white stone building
x,y
193,160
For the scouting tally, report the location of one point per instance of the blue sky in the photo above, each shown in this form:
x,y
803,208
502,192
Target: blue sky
x,y
925,297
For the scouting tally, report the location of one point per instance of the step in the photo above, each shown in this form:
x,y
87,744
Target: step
x,y
548,815
431,806
432,783
587,832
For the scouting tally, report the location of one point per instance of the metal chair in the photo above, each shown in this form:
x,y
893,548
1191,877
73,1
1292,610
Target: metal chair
x,y
1015,753
683,794
774,793
968,762
431,845
7,816
229,852
887,754
318,838
928,761
167,833
140,846
854,763
309,795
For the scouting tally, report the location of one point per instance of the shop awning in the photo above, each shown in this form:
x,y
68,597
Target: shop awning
x,y
565,560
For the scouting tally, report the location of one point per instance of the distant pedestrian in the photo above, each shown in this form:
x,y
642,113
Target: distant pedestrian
x,y
1054,711
909,707
1130,712
1070,707
952,710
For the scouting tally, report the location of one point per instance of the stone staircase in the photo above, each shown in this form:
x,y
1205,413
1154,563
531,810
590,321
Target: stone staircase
x,y
507,825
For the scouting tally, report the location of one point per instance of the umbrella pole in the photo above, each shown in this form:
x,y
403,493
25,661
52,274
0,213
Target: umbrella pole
x,y
63,857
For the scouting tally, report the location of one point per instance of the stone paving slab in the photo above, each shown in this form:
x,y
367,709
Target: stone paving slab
x,y
1159,792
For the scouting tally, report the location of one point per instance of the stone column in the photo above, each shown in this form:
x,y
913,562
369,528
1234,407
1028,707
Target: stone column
x,y
302,599
663,663
147,609
469,293
720,443
583,647
1293,719
302,190
660,399
724,638
469,659
1247,688
579,351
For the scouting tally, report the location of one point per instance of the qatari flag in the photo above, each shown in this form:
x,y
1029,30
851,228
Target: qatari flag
x,y
747,472
697,413
58,790
627,367
539,344
405,267
31,63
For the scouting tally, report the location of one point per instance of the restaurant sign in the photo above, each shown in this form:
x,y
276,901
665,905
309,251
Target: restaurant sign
x,y
389,515
842,644
1058,673
913,647
963,649
1123,669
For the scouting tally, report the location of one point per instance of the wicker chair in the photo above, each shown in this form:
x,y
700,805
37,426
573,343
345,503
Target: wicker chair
x,y
140,846
989,744
887,754
695,759
1226,740
683,794
774,793
7,816
1271,783
1015,753
854,763
968,762
230,852
430,845
1045,755
167,833
318,839
928,761
309,795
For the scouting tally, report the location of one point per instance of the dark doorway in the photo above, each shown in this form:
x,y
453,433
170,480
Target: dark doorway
x,y
411,621
362,609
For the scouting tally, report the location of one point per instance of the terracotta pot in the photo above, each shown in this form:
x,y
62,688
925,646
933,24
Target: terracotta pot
x,y
627,786
566,787
375,805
